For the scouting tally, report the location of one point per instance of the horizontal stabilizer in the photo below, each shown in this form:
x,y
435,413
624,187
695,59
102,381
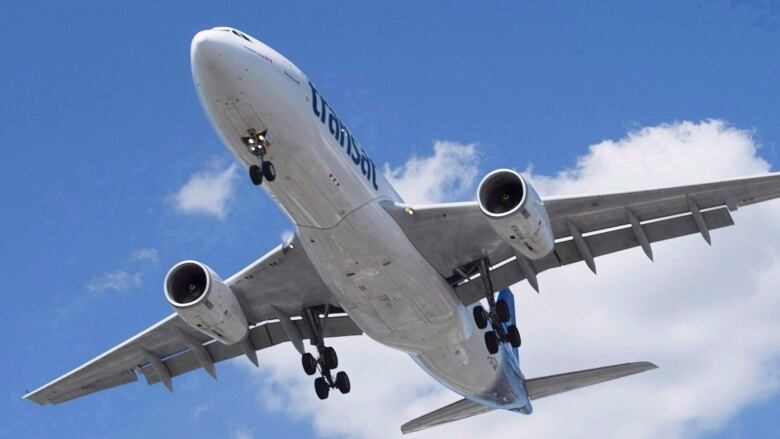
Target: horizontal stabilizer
x,y
537,388
554,384
462,409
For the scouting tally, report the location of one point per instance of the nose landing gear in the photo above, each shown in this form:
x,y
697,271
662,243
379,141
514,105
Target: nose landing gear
x,y
257,144
265,170
498,315
326,363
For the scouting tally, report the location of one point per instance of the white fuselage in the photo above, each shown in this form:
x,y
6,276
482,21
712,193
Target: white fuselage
x,y
332,191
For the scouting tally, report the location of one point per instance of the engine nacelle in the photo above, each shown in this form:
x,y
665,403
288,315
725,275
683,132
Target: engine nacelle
x,y
205,302
516,213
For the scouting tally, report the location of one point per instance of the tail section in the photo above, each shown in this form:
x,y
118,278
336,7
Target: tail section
x,y
537,388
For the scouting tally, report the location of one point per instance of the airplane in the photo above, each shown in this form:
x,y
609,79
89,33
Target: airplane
x,y
362,261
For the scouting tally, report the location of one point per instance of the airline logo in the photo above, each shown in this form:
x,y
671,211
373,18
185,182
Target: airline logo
x,y
342,135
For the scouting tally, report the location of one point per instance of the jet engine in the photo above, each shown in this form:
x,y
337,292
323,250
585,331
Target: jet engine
x,y
205,302
516,213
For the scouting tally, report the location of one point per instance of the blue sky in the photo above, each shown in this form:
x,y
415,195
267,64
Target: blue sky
x,y
101,128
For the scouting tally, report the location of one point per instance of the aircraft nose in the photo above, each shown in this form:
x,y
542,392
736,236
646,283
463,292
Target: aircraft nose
x,y
216,61
205,49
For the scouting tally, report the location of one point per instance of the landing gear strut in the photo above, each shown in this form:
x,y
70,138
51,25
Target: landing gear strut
x,y
257,144
326,361
498,314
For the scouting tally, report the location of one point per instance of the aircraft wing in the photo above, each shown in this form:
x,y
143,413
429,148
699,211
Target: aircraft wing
x,y
454,237
283,278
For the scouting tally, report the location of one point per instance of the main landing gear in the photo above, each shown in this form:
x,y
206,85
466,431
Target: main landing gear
x,y
326,361
498,315
257,144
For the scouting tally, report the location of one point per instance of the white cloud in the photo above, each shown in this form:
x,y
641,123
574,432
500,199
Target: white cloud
x,y
145,255
117,281
198,411
664,155
207,192
448,174
241,432
707,316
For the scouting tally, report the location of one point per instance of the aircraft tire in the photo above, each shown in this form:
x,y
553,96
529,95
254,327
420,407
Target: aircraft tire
x,y
322,388
480,317
514,336
269,171
330,358
309,363
342,382
256,175
502,311
491,342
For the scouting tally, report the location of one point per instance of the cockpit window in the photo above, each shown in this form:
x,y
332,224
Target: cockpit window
x,y
240,35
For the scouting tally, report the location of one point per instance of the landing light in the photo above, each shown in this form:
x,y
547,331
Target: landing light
x,y
409,210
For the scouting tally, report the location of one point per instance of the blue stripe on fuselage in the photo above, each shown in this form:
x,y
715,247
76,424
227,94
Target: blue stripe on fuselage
x,y
507,296
512,362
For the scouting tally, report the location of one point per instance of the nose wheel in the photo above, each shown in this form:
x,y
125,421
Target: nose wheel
x,y
497,315
265,170
257,144
326,361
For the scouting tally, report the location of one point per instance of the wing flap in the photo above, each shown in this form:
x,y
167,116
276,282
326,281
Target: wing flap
x,y
597,212
604,243
263,336
546,386
509,272
454,412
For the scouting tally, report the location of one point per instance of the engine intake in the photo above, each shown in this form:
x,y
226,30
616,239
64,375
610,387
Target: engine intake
x,y
516,213
205,302
187,283
501,192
